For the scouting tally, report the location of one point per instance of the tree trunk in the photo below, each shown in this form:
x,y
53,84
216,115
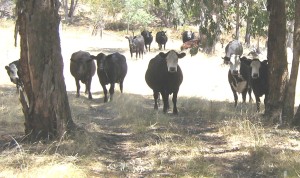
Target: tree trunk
x,y
44,99
277,60
295,65
237,27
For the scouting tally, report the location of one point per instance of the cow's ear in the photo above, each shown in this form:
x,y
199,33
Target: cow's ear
x,y
126,37
181,55
93,57
163,55
7,68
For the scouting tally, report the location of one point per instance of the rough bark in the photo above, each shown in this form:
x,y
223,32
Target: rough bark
x,y
295,66
44,99
277,60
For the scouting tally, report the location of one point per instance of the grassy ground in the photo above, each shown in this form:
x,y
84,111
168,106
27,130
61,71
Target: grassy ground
x,y
127,138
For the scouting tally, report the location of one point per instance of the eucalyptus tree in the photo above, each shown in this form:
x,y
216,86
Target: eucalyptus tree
x,y
44,98
135,14
277,60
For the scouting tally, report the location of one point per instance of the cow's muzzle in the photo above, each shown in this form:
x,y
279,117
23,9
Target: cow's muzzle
x,y
255,76
235,72
172,69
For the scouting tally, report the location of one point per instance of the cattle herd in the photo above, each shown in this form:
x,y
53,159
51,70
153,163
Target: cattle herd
x,y
163,75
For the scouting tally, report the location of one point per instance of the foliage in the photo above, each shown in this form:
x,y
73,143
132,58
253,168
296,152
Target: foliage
x,y
135,13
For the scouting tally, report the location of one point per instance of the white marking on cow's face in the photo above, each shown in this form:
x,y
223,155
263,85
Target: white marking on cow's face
x,y
172,61
189,34
255,65
235,64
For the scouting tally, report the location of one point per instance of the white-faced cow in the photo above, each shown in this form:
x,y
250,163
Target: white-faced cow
x,y
239,78
187,36
83,69
13,73
259,79
161,39
111,69
164,76
136,45
148,38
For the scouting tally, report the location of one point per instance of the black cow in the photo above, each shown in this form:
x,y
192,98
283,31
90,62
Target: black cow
x,y
161,39
148,38
136,45
13,73
164,76
187,36
259,80
233,48
111,69
239,78
83,69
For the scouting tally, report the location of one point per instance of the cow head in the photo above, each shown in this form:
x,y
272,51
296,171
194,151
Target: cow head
x,y
147,34
190,34
100,61
132,45
255,66
171,58
12,71
234,63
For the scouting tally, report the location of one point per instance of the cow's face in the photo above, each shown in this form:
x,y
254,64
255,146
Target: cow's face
x,y
234,64
12,72
148,34
255,66
172,59
189,34
100,60
131,43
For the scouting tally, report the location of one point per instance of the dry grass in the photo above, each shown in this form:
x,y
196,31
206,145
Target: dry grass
x,y
127,138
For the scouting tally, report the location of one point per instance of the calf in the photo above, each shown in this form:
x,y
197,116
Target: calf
x,y
259,79
148,38
83,69
136,45
164,76
239,78
161,39
190,44
13,73
111,69
187,36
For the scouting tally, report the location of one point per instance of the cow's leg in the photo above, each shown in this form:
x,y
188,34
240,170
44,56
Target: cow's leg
x,y
249,93
244,94
78,88
105,92
112,90
235,98
155,95
88,87
165,97
121,86
174,99
257,103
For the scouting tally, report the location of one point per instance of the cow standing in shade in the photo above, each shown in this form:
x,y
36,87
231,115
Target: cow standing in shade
x,y
83,69
259,80
111,69
136,45
239,72
13,73
148,38
239,78
164,76
161,39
